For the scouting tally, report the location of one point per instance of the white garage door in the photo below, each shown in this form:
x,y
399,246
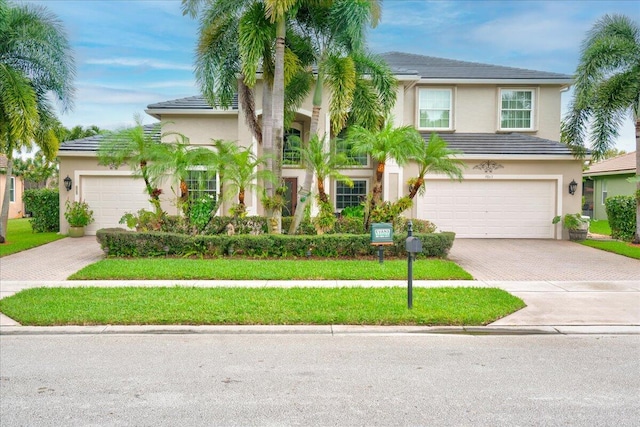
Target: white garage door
x,y
491,208
110,197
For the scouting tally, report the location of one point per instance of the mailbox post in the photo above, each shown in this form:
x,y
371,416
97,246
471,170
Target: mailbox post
x,y
381,235
413,246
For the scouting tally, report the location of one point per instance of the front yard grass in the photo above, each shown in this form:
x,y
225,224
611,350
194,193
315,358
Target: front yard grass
x,y
615,246
600,227
20,237
279,269
257,306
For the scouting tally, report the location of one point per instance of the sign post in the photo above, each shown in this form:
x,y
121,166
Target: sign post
x,y
381,235
413,246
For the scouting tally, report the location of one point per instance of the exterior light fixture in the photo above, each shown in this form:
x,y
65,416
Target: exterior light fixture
x,y
67,183
572,187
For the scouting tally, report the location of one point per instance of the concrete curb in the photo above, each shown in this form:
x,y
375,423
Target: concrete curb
x,y
319,330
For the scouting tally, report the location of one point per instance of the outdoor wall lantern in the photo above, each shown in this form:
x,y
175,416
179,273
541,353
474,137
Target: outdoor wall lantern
x,y
67,183
572,187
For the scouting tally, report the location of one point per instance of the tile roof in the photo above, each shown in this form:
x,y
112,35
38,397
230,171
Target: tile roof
x,y
190,103
501,143
430,67
91,143
626,163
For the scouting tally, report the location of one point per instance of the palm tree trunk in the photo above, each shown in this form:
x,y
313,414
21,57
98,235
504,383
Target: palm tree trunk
x,y
308,176
241,197
248,104
416,186
322,195
377,185
278,110
637,236
4,213
267,132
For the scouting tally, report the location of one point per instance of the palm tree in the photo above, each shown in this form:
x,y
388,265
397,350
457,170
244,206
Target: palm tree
x,y
362,86
435,157
244,172
400,144
35,59
135,147
607,89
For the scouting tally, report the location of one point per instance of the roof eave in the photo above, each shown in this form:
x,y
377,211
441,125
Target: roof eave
x,y
158,112
448,80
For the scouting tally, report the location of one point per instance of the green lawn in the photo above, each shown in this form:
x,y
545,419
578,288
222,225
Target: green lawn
x,y
600,227
21,237
620,248
250,269
257,306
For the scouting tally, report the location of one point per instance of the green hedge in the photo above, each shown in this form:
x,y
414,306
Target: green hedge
x,y
621,211
122,243
44,205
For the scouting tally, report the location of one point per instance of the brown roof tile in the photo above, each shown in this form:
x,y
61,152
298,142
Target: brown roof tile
x,y
625,163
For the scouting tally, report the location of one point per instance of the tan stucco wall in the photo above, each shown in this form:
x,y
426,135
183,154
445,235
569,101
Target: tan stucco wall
x,y
476,108
83,165
16,208
202,129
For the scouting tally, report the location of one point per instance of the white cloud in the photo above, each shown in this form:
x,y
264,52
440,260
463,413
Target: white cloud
x,y
142,63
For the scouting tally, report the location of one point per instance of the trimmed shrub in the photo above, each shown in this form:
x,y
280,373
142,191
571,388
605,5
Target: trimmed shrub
x,y
621,211
44,205
122,243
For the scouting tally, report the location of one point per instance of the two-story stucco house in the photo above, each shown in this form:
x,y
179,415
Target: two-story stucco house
x,y
505,121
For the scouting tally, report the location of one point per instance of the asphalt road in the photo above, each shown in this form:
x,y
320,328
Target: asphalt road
x,y
306,379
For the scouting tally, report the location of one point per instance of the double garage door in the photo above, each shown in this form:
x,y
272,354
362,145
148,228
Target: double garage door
x,y
110,197
491,208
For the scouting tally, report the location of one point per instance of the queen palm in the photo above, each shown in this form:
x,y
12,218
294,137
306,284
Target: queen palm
x,y
244,173
607,89
434,157
400,144
35,59
362,86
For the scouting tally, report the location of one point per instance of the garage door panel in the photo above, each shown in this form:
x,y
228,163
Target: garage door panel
x,y
491,209
110,197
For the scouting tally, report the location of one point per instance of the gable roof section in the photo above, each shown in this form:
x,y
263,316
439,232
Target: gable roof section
x,y
429,67
91,143
191,103
623,164
501,143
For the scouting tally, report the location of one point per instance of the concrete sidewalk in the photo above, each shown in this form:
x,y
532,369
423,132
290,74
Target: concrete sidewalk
x,y
603,305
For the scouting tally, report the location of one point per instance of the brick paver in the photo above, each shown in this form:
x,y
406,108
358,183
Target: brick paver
x,y
53,261
510,259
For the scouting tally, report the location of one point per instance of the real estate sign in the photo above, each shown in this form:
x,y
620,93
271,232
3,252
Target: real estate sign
x,y
381,233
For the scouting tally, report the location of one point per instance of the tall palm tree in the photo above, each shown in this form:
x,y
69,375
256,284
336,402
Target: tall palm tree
x,y
362,85
435,157
607,89
35,59
400,144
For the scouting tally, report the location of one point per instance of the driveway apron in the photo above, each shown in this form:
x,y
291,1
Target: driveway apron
x,y
53,261
530,260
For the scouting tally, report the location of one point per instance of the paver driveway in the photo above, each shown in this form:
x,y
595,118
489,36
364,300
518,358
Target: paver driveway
x,y
509,259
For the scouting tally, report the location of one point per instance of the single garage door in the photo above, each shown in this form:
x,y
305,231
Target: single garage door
x,y
110,197
491,208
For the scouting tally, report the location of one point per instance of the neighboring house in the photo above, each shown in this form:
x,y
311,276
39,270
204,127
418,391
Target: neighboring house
x,y
608,178
16,188
505,121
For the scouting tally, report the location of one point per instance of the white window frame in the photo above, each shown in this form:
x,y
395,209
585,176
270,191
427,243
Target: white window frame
x,y
202,169
419,108
335,189
534,103
12,189
605,192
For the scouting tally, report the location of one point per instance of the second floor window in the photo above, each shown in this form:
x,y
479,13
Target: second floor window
x,y
434,109
290,147
516,109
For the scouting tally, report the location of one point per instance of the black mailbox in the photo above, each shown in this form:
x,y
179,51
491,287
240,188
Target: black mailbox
x,y
413,245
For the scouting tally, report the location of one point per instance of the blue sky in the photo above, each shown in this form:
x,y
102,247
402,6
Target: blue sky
x,y
131,53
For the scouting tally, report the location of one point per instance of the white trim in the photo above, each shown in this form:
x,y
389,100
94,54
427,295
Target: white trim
x,y
521,157
458,81
157,112
367,188
12,189
452,96
534,107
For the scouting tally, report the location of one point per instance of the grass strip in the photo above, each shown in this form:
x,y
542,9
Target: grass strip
x,y
257,306
250,269
600,227
617,247
20,237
